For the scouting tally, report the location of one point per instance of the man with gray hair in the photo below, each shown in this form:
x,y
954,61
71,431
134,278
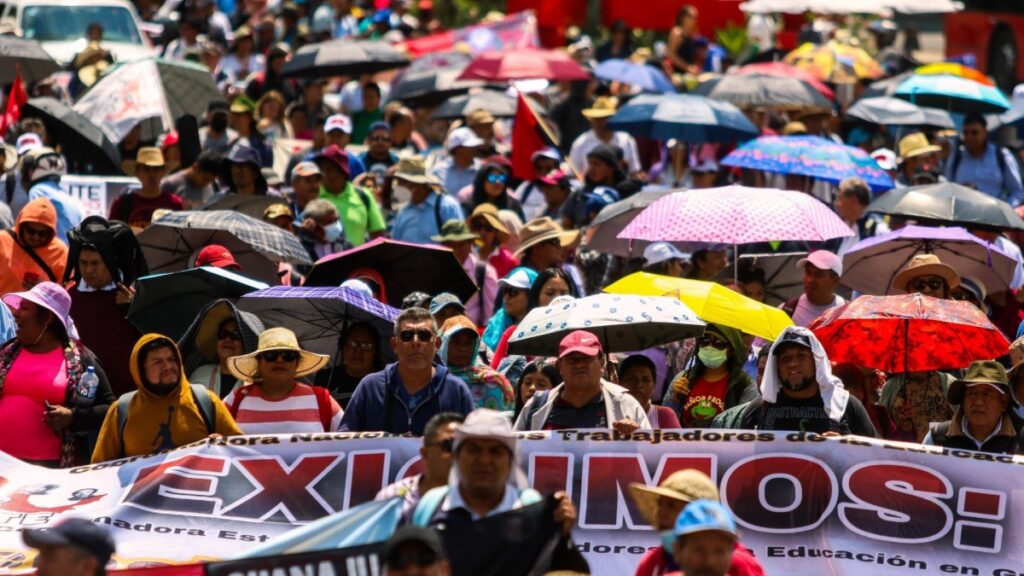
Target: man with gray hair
x,y
405,395
321,232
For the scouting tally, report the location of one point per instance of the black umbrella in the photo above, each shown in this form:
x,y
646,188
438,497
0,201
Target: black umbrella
x,y
344,57
948,203
26,56
249,205
497,103
783,279
753,90
82,142
432,79
896,112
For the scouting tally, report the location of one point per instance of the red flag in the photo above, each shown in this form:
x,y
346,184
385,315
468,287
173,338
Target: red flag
x,y
528,136
15,100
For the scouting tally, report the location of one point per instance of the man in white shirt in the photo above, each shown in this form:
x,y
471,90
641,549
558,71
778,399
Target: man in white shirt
x,y
822,270
604,108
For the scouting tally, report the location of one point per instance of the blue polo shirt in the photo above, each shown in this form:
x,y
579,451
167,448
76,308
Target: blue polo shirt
x,y
418,222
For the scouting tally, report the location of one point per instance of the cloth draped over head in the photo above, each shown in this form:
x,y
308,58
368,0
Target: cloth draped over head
x,y
834,395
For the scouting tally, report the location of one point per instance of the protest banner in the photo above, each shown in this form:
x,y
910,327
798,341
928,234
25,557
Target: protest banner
x,y
96,193
806,504
514,31
128,95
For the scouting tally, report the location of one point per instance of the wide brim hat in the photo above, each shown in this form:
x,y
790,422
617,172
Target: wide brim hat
x,y
925,265
603,107
987,372
1016,359
541,230
413,169
685,486
51,296
454,231
489,212
247,367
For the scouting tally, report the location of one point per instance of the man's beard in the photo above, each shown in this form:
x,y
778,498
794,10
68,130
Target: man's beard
x,y
802,385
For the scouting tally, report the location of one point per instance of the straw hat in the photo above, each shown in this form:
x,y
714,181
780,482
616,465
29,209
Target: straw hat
x,y
489,212
1016,359
915,145
604,107
686,486
925,265
414,169
541,230
247,367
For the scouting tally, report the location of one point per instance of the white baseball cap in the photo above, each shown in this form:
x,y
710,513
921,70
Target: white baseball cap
x,y
885,158
823,260
487,424
28,142
658,252
518,279
338,122
463,137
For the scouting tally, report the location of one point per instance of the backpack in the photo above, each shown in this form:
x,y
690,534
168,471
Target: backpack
x,y
790,306
323,404
199,395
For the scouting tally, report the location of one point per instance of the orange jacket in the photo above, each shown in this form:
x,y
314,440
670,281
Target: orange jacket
x,y
18,271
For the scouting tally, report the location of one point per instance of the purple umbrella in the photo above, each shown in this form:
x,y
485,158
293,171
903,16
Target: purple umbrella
x,y
870,266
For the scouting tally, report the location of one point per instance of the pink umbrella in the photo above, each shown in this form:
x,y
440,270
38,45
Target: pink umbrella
x,y
521,64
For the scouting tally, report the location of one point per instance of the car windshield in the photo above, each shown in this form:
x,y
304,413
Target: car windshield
x,y
60,23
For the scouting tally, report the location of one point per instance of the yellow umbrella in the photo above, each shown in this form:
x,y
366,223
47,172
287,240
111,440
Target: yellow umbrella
x,y
835,62
956,70
710,301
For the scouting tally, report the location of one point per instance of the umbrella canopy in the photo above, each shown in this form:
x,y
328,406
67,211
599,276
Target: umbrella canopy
x,y
83,143
783,70
897,112
169,249
243,204
199,344
835,62
497,103
269,240
647,78
318,315
764,90
952,93
872,264
783,278
344,57
683,117
168,303
432,79
602,234
955,69
26,56
948,203
736,215
524,64
622,322
811,156
710,301
886,86
859,7
405,268
908,333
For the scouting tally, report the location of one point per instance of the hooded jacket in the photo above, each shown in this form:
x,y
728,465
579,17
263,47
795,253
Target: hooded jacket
x,y
18,270
158,422
741,387
618,404
490,388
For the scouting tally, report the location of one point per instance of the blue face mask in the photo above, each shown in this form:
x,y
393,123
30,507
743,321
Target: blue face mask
x,y
332,232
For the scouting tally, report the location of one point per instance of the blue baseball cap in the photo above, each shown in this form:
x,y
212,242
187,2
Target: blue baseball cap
x,y
705,516
444,299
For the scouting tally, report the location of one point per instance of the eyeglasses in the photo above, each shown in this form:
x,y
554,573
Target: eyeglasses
x,y
421,335
359,346
713,342
446,445
273,355
421,558
497,178
229,335
933,284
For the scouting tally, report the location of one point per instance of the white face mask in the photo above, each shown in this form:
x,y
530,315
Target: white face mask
x,y
332,231
400,194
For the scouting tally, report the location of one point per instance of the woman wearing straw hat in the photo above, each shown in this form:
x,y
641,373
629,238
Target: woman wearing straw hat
x,y
274,402
485,222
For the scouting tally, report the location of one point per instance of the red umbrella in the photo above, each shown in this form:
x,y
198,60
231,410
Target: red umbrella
x,y
521,64
783,69
908,333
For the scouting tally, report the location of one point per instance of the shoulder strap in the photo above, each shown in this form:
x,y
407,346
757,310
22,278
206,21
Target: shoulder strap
x,y
35,257
437,211
481,273
428,505
323,404
202,398
365,197
10,184
955,160
124,208
790,306
123,403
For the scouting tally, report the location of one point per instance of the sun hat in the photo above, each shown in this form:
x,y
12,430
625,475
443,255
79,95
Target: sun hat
x,y
580,341
1016,359
794,128
51,296
603,107
149,156
980,373
242,105
925,265
915,144
78,532
479,117
443,300
658,252
521,278
454,230
338,122
685,485
463,136
705,516
414,169
541,230
246,367
217,256
489,212
822,260
484,423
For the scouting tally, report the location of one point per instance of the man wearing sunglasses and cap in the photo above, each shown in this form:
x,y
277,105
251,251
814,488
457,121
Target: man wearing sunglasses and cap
x,y
405,395
983,420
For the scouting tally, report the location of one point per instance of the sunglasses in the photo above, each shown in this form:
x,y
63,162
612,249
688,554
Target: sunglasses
x,y
33,231
712,342
421,335
421,558
481,227
273,355
513,292
446,445
497,178
229,335
963,296
933,284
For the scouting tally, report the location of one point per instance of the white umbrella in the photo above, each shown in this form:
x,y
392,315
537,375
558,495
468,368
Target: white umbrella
x,y
852,6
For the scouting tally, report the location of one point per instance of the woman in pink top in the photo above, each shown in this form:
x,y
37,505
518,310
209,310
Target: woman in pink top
x,y
45,407
637,375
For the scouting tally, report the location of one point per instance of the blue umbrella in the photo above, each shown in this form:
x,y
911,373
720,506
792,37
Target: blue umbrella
x,y
683,117
648,78
953,94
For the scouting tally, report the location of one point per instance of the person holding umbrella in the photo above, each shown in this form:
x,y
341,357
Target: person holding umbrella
x,y
665,259
485,222
822,271
982,165
982,421
243,173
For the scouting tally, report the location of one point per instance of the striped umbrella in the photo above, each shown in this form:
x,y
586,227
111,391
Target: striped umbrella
x,y
271,241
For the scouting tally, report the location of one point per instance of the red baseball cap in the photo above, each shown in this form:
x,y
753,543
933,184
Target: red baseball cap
x,y
217,256
335,154
580,341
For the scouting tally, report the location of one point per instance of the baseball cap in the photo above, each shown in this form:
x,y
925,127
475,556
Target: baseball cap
x,y
885,158
426,537
338,122
28,142
659,252
518,278
791,337
276,211
336,155
444,299
217,256
553,178
463,137
705,516
77,532
379,125
580,341
306,168
549,152
823,260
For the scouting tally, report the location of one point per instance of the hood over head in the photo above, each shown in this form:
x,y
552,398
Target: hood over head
x,y
38,211
449,328
135,364
830,387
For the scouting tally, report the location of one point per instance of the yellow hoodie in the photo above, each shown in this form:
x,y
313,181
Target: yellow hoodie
x,y
158,422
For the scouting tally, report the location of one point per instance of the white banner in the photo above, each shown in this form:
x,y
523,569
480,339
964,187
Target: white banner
x,y
805,504
96,193
128,95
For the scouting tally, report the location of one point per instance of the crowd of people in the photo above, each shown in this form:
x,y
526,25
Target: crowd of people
x,y
80,383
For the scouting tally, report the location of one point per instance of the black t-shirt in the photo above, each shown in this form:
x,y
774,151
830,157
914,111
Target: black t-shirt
x,y
565,416
808,415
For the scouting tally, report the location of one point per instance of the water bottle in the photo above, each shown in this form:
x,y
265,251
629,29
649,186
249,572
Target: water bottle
x,y
87,387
